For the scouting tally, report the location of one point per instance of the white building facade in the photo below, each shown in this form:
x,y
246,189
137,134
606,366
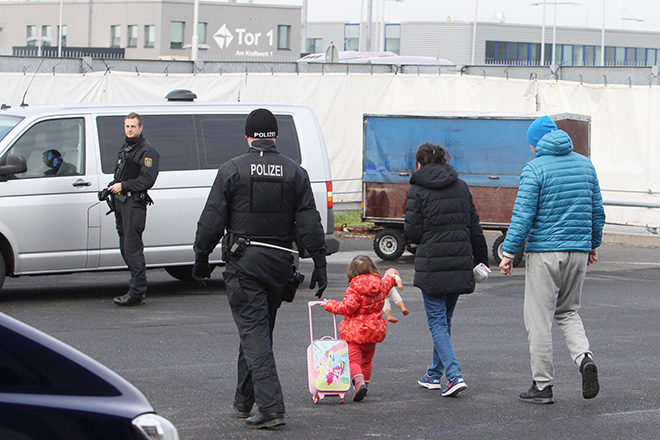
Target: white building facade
x,y
495,43
152,29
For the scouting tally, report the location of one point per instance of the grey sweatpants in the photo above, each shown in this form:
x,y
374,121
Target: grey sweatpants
x,y
553,285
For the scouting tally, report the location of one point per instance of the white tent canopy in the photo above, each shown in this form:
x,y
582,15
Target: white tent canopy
x,y
625,138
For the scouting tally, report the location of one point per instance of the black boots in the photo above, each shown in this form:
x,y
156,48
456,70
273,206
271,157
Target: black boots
x,y
242,411
590,386
534,395
129,299
264,421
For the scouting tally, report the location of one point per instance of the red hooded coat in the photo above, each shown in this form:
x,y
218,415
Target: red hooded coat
x,y
362,307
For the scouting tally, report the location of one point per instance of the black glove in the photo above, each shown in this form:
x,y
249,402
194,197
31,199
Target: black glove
x,y
320,276
201,269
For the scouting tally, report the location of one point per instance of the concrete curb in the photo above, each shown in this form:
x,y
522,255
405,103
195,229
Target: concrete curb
x,y
628,239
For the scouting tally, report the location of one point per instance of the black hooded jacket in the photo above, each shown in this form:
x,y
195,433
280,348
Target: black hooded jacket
x,y
442,220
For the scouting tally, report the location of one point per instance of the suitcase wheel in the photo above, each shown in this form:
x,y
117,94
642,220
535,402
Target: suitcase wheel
x,y
341,398
315,398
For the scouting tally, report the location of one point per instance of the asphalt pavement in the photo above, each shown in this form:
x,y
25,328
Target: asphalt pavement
x,y
180,350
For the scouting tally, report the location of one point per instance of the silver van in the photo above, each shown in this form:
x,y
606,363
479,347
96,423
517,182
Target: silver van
x,y
52,222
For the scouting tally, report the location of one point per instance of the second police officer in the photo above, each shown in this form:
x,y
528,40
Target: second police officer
x,y
136,172
264,201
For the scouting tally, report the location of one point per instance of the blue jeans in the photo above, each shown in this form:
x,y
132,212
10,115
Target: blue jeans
x,y
439,311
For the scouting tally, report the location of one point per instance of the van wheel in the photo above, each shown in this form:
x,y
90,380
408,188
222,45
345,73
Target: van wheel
x,y
2,270
389,244
497,252
183,273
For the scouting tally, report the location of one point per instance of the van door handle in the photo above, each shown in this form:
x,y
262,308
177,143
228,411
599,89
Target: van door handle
x,y
81,182
494,177
404,173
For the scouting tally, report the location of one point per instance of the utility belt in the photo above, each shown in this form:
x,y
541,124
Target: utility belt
x,y
234,245
138,195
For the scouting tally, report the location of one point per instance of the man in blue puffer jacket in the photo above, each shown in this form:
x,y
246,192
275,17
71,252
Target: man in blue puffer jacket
x,y
559,211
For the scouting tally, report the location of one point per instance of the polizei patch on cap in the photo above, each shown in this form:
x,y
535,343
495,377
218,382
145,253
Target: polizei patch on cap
x,y
264,134
148,162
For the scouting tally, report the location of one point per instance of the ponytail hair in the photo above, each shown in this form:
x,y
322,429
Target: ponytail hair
x,y
430,153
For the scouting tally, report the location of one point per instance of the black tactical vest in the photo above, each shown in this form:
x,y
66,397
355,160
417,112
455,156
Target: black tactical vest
x,y
265,203
127,166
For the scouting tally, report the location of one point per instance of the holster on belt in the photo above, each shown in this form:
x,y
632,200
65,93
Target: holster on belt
x,y
233,246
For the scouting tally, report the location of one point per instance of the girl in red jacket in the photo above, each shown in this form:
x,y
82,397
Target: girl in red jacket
x,y
363,325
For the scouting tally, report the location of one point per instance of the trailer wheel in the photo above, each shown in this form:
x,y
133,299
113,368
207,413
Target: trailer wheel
x,y
389,244
497,252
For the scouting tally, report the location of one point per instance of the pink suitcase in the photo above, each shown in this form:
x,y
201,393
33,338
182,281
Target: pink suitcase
x,y
328,371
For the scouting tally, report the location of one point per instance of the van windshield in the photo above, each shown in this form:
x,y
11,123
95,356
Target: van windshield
x,y
7,123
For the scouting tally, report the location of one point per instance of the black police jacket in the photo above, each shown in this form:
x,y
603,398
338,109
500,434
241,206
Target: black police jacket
x,y
442,219
137,166
264,196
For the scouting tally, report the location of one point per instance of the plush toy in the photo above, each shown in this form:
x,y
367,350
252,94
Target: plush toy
x,y
393,295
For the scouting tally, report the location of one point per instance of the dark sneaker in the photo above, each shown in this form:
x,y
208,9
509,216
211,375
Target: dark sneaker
x,y
265,421
455,386
242,411
590,386
129,299
534,395
430,382
360,393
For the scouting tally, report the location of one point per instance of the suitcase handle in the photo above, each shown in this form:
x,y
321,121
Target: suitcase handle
x,y
311,304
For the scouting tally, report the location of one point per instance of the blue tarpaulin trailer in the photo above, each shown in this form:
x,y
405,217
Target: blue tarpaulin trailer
x,y
488,150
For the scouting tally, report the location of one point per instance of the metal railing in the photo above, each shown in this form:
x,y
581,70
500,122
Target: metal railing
x,y
69,52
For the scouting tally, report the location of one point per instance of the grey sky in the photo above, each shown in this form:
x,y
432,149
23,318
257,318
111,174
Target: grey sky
x,y
588,13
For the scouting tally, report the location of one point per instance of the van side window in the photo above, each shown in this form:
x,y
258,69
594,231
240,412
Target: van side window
x,y
171,135
52,148
222,137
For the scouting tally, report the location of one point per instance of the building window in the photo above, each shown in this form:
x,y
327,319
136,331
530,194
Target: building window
x,y
352,36
589,56
149,35
31,35
609,56
283,37
620,56
115,35
47,35
62,34
597,52
523,53
314,45
132,35
650,57
176,34
393,38
490,52
201,32
640,58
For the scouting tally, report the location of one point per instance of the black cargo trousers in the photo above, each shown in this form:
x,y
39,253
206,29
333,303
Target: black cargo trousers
x,y
255,284
131,217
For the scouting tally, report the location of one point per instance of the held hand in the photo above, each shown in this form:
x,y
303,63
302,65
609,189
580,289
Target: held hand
x,y
392,271
506,266
115,188
592,258
201,269
320,276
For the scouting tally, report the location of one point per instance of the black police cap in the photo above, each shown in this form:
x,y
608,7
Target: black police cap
x,y
261,123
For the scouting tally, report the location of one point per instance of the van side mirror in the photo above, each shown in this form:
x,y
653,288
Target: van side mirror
x,y
14,164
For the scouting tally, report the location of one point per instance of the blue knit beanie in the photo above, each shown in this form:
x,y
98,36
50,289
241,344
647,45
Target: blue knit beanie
x,y
539,128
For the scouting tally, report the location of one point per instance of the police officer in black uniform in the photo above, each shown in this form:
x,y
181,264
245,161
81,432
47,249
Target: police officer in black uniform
x,y
135,173
264,200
